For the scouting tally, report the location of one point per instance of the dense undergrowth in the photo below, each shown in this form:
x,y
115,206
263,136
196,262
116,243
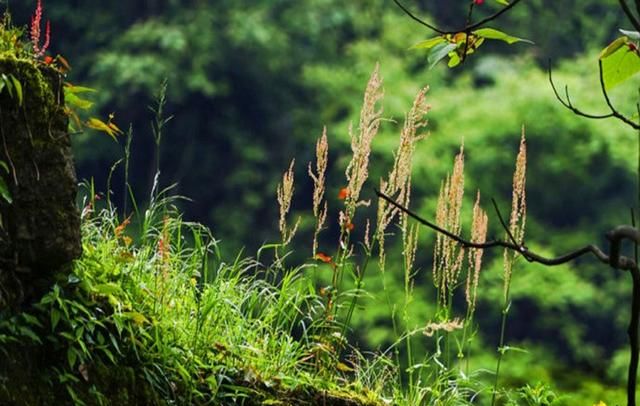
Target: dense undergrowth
x,y
153,313
165,320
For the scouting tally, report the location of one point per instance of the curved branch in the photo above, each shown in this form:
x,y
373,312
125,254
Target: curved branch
x,y
632,19
569,105
419,20
614,112
492,17
617,261
529,255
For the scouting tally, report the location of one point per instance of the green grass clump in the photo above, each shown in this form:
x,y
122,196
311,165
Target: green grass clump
x,y
165,319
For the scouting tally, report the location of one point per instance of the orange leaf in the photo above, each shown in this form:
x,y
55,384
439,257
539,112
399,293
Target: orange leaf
x,y
323,257
343,194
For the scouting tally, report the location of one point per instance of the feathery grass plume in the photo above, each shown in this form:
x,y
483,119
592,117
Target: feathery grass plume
x,y
357,171
479,226
518,217
409,248
285,194
448,326
398,183
319,177
448,255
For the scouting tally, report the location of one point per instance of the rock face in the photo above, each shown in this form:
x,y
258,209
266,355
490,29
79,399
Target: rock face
x,y
40,229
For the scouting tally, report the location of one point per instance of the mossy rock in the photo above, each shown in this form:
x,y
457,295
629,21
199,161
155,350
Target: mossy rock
x,y
41,226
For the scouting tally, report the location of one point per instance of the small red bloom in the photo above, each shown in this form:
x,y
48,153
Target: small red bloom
x,y
478,2
343,194
48,60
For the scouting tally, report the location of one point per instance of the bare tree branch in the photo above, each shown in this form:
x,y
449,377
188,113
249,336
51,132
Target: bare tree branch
x,y
567,103
529,255
632,19
419,20
492,17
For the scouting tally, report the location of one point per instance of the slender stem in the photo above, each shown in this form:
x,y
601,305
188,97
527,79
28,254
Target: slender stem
x,y
354,301
503,324
633,339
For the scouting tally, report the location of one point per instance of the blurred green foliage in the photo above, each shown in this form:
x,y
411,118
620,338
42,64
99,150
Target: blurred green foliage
x,y
252,82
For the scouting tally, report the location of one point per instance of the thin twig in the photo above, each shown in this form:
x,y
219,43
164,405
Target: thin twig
x,y
490,18
504,223
569,105
419,20
632,19
615,113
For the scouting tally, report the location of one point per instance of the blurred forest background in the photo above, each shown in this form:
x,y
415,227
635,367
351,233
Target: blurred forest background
x,y
251,83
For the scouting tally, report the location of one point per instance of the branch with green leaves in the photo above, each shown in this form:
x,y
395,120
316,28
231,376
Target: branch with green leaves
x,y
459,44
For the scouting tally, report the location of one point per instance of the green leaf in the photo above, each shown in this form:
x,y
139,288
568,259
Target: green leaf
x,y
75,101
72,356
503,2
619,63
107,288
491,33
55,318
27,332
4,165
4,192
454,60
7,84
634,35
18,88
137,318
438,52
428,43
70,89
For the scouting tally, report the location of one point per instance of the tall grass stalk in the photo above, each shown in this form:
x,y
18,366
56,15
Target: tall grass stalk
x,y
515,233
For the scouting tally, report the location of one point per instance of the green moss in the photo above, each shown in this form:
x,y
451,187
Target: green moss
x,y
40,102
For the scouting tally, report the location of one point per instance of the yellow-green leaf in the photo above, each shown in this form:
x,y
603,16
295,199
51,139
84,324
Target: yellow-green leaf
x,y
503,2
619,63
75,101
137,318
613,47
428,43
100,125
491,33
78,89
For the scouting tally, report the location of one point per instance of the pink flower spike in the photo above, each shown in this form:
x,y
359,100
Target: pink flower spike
x,y
36,20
